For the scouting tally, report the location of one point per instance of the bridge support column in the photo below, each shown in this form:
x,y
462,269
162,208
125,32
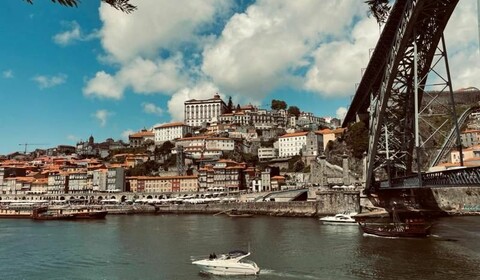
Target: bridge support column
x,y
323,159
346,179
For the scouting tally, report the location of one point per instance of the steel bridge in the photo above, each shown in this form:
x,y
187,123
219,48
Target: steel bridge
x,y
406,74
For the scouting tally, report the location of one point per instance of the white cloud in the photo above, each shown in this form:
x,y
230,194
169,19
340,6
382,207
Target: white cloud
x,y
102,116
461,36
7,74
73,34
176,103
151,108
157,24
147,76
104,86
126,133
169,47
50,81
338,64
73,138
341,112
148,46
263,47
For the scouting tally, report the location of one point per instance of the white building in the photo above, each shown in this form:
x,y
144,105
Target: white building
x,y
467,153
291,144
116,179
99,180
78,182
267,153
208,147
199,112
171,131
266,183
470,138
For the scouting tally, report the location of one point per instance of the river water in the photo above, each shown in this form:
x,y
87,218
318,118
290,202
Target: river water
x,y
160,246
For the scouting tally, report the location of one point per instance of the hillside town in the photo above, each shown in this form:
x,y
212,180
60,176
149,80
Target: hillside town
x,y
219,147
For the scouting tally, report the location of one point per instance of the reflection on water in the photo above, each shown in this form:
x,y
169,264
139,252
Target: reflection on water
x,y
159,247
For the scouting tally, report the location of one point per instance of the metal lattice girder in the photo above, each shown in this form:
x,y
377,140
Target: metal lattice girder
x,y
387,87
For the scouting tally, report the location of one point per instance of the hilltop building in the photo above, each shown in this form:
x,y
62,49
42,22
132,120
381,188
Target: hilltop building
x,y
171,131
140,138
199,112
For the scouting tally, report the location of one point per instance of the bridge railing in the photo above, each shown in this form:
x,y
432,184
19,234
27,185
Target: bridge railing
x,y
450,178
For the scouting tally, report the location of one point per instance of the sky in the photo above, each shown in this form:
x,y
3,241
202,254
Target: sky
x,y
68,73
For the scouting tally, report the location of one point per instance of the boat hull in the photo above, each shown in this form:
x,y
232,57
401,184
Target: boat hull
x,y
395,230
54,217
90,215
230,269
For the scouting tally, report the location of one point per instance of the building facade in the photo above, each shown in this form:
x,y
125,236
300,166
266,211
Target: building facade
x,y
140,138
171,131
291,144
163,184
470,138
199,112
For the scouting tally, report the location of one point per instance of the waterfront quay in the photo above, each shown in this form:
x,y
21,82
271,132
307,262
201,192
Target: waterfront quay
x,y
268,203
295,203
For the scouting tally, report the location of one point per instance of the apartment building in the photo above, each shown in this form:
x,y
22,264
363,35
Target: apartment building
x,y
226,175
206,147
140,138
163,184
470,138
291,144
171,131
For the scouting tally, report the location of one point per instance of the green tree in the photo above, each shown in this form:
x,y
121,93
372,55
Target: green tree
x,y
356,138
229,105
278,105
379,9
294,110
121,5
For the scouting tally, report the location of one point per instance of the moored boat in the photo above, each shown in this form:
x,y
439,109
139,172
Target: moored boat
x,y
232,263
92,214
412,224
236,214
396,229
84,212
341,218
43,214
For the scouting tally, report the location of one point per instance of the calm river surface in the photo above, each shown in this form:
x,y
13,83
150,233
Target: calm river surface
x,y
159,247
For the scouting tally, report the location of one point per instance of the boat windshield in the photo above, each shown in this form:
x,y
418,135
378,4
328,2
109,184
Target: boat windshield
x,y
237,253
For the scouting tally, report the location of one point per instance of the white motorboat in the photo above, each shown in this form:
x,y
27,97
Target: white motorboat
x,y
342,218
232,263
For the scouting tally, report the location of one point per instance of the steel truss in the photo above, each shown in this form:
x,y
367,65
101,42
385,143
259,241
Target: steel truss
x,y
392,149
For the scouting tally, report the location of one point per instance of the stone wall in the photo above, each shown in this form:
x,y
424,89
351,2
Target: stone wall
x,y
327,203
460,199
332,202
290,209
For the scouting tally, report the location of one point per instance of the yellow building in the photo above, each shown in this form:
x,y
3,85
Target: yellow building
x,y
163,184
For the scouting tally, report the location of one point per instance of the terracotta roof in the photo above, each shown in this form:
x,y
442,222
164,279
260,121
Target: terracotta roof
x,y
163,177
142,134
471,131
294,134
329,131
173,124
203,137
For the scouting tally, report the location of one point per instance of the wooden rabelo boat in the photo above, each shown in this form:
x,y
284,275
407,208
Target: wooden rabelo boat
x,y
90,214
237,214
42,214
407,227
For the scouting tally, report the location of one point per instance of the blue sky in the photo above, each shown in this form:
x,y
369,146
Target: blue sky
x,y
68,73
